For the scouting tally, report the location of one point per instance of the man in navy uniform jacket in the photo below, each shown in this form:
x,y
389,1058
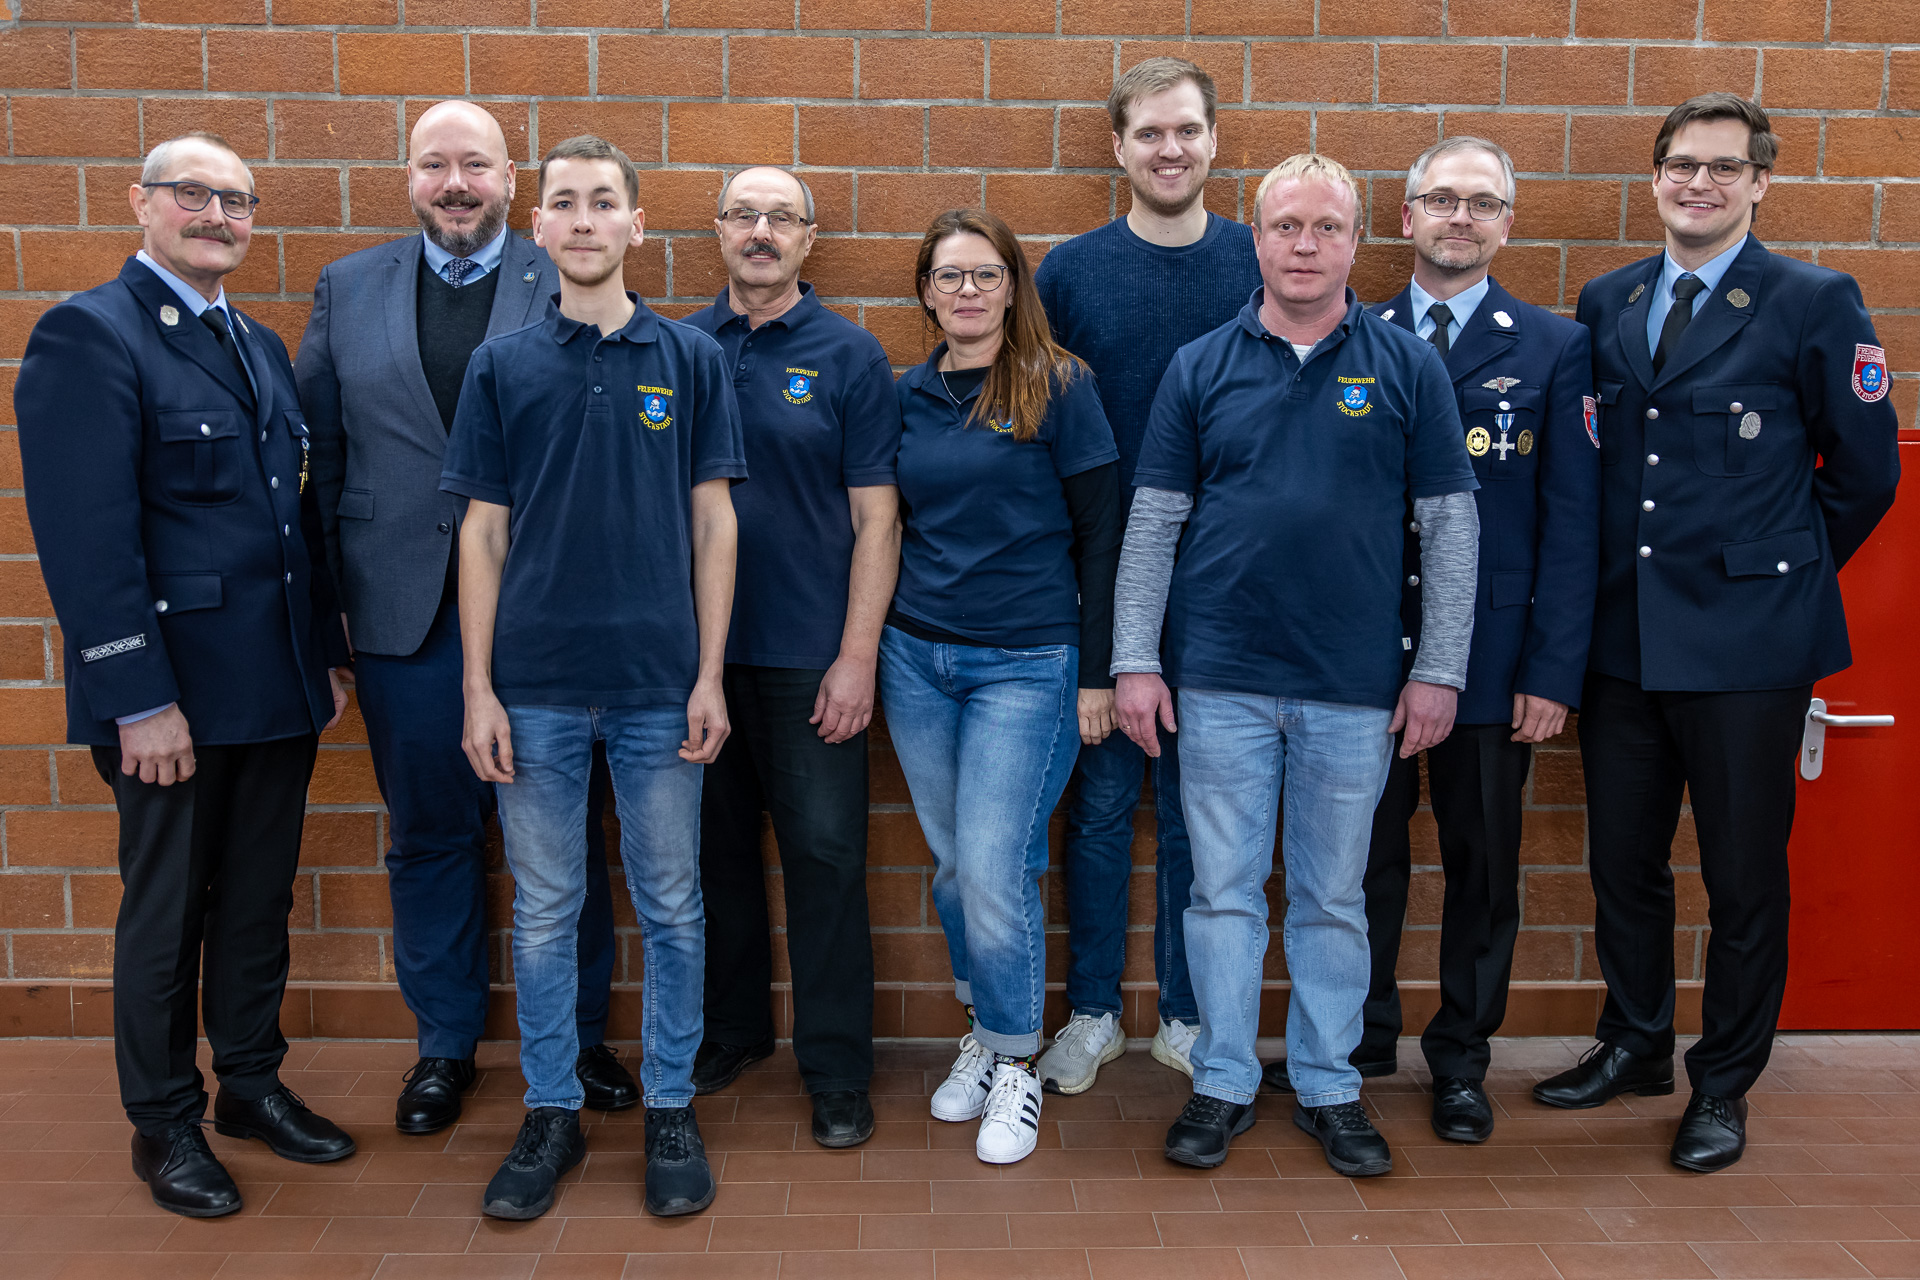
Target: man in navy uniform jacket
x,y
1524,380
166,478
1747,449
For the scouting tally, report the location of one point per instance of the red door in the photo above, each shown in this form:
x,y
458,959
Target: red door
x,y
1856,842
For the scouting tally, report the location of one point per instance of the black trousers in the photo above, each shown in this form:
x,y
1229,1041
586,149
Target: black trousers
x,y
206,866
1476,777
1733,754
817,795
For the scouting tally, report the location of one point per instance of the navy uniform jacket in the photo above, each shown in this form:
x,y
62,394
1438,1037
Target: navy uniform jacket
x,y
180,570
1539,501
1777,456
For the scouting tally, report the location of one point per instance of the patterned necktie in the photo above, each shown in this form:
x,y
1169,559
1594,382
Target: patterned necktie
x,y
1442,321
458,269
1685,289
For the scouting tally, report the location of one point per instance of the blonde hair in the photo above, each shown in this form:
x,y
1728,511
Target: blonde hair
x,y
1308,166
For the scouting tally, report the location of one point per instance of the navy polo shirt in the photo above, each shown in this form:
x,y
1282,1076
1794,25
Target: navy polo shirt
x,y
595,442
1288,577
819,415
987,551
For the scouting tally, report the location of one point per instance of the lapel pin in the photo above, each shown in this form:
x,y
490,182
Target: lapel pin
x,y
1635,295
244,328
1504,320
169,314
1501,385
1387,314
1739,297
530,277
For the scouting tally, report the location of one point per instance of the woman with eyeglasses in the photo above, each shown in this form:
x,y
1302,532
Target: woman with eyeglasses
x,y
993,663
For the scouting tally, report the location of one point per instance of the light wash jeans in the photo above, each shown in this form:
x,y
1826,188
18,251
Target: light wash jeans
x,y
542,817
1236,752
987,739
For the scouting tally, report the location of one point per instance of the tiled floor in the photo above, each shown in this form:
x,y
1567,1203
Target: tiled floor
x,y
1824,1190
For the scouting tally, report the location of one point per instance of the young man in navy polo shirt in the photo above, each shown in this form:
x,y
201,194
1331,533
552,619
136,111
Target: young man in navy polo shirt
x,y
596,450
819,552
1124,297
1289,441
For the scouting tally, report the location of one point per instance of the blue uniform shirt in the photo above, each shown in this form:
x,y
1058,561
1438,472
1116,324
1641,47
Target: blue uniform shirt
x,y
818,412
1288,578
1460,306
595,442
485,260
1709,273
987,551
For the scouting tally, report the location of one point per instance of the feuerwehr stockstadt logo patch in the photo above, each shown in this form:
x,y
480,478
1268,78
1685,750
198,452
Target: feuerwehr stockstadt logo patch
x,y
1869,372
655,406
800,385
1354,400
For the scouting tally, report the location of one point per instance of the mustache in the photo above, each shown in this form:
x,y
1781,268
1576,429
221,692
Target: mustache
x,y
203,231
761,249
457,200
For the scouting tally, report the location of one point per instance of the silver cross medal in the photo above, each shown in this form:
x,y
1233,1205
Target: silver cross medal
x,y
1504,421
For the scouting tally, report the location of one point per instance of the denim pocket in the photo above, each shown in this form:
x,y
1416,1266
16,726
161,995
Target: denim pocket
x,y
1040,654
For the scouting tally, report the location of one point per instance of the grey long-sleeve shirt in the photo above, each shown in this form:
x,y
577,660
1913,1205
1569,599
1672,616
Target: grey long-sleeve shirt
x,y
1449,565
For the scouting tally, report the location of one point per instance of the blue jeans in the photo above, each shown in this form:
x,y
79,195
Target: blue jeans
x,y
542,814
1237,750
987,739
1099,867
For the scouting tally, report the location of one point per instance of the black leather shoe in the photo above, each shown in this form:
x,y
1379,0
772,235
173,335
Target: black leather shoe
x,y
1274,1074
283,1122
679,1179
1713,1133
1607,1071
718,1065
430,1100
1206,1128
549,1143
842,1117
1353,1146
183,1174
609,1086
1461,1110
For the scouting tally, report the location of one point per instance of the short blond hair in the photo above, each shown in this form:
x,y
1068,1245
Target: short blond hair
x,y
1308,166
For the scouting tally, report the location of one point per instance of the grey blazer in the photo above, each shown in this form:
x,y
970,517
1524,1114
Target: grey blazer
x,y
376,435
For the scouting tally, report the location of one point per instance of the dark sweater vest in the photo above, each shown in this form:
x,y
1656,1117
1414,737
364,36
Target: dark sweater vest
x,y
451,323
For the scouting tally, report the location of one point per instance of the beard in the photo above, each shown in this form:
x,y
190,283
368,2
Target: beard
x,y
463,244
1169,208
1452,259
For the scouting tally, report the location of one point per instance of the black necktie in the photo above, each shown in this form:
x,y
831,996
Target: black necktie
x,y
215,319
1685,289
1442,320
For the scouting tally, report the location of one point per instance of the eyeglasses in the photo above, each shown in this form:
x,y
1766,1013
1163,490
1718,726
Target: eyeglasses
x,y
746,219
1725,171
194,196
1439,204
950,279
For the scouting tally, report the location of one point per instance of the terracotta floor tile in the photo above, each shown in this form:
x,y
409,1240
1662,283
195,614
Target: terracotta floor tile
x,y
1083,1230
1481,1261
453,1266
395,1235
910,1264
1407,1191
1523,1226
773,1234
704,1266
926,1166
580,1266
1289,1195
1726,1189
859,1197
1372,1263
1627,1262
928,1231
1196,1230
299,1266
1457,1160
62,1199
1657,1226
1014,1264
491,1235
460,1199
813,1165
245,1235
348,1200
1127,1195
1151,1264
111,1266
1032,1196
1835,1188
1572,1191
1838,1105
1838,1222
101,1234
1904,1217
1587,1161
1388,1227
1043,1166
637,1234
1241,1162
1863,1158
1885,1258
1800,1260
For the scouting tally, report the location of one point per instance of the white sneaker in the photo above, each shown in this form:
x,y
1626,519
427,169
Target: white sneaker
x,y
1173,1045
964,1095
1011,1126
1083,1046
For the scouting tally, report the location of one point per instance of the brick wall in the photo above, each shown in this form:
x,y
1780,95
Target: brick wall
x,y
895,109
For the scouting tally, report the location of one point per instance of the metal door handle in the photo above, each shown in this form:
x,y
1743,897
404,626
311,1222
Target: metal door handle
x,y
1813,740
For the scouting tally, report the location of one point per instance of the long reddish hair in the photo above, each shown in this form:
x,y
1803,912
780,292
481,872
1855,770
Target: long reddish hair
x,y
1030,363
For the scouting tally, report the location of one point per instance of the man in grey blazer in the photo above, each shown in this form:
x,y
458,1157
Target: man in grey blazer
x,y
379,374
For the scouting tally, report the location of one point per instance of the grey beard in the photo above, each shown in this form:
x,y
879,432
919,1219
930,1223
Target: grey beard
x,y
465,245
1446,261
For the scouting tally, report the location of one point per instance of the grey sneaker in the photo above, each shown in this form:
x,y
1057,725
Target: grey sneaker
x,y
1083,1046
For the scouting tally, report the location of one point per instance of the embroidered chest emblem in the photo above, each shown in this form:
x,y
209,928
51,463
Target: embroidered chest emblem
x,y
1355,400
800,385
655,407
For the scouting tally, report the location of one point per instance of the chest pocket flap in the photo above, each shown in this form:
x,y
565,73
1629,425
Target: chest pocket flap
x,y
1759,397
1487,400
200,455
1774,556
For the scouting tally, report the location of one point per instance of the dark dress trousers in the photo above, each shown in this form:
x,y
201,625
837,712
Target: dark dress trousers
x,y
379,394
179,542
1524,387
1735,483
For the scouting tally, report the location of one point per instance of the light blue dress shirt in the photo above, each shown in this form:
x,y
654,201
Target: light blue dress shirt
x,y
485,260
1709,273
1461,305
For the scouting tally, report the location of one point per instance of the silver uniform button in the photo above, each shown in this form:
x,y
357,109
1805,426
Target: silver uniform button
x,y
274,481
289,577
1782,566
1652,414
263,437
205,430
1413,579
1645,552
1647,505
1735,407
159,606
286,530
1413,526
1653,459
1505,405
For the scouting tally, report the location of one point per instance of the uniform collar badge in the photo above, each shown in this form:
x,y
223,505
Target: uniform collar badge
x,y
1501,385
1387,314
169,314
1637,291
1738,297
1504,320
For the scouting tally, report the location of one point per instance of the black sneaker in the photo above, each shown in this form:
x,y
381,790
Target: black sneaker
x,y
1205,1129
1354,1147
550,1143
679,1180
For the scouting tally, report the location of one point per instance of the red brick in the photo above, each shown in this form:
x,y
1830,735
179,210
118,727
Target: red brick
x,y
1086,138
1556,75
38,58
284,61
23,647
1900,212
183,12
1799,146
1260,139
1863,147
992,137
1888,277
73,259
108,188
551,66
706,13
118,58
1386,18
729,133
1113,17
302,197
1222,60
680,199
671,66
339,840
899,70
63,955
241,121
1536,140
1051,70
1313,73
1439,73
602,13
1754,21
10,477
1557,898
863,268
859,15
634,127
1900,335
23,777
1903,82
62,837
1664,76
907,202
337,957
1253,17
1509,17
412,63
1588,262
17,318
51,190
1614,144
861,135
1375,139
1818,211
1556,774
260,272
96,900
307,252
73,10
469,13
1650,19
1871,21
788,67
1827,78
23,595
1050,204
354,900
302,13
1379,270
78,781
1575,210
335,131
75,127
